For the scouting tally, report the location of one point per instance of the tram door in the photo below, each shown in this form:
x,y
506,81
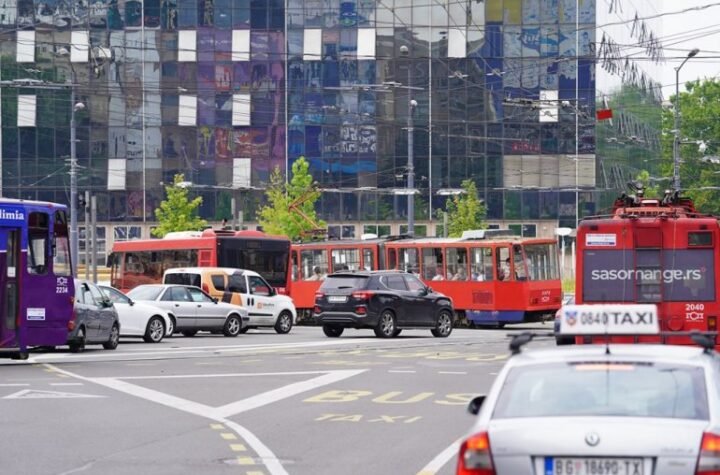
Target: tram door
x,y
9,288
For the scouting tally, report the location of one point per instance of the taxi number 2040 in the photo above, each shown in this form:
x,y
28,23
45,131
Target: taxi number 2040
x,y
593,466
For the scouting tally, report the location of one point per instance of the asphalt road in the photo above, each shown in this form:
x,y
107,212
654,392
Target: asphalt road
x,y
260,403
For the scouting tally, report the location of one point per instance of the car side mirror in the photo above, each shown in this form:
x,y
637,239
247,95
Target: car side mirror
x,y
215,300
131,302
107,303
476,403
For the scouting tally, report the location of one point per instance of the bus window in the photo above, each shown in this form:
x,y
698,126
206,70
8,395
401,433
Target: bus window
x,y
314,264
133,263
521,263
368,259
345,259
432,261
542,261
457,263
61,251
481,264
408,260
38,230
502,263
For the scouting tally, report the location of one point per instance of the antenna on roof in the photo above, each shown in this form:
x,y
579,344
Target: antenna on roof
x,y
705,340
519,341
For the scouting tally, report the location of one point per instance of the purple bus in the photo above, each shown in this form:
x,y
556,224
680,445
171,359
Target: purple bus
x,y
36,284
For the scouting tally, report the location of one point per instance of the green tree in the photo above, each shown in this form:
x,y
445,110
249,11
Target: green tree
x,y
699,108
465,211
643,177
290,208
177,212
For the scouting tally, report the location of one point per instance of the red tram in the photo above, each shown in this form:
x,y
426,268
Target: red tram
x,y
492,279
659,251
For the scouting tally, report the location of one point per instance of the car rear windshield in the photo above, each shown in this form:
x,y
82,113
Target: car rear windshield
x,y
144,293
344,282
604,389
182,278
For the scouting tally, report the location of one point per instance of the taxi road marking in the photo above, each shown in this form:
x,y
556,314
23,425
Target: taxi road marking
x,y
361,417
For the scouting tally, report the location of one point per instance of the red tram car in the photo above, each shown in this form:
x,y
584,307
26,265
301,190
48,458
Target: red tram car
x,y
492,278
659,251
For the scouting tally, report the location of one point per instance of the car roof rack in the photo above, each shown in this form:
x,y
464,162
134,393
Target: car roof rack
x,y
705,340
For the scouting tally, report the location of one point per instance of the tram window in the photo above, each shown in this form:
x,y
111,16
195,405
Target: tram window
x,y
457,263
295,267
542,261
368,259
38,229
408,260
314,264
432,261
61,251
392,259
481,264
345,259
520,263
502,263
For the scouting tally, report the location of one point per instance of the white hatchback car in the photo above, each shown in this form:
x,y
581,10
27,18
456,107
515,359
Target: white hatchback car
x,y
140,319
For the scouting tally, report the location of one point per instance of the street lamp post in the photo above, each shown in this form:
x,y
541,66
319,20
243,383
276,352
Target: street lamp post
x,y
412,103
676,141
74,247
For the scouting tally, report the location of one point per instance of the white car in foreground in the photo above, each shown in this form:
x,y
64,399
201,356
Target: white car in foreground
x,y
138,318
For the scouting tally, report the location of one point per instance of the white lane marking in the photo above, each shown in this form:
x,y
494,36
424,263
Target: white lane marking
x,y
222,375
35,394
452,372
13,385
401,371
289,390
441,459
271,462
66,384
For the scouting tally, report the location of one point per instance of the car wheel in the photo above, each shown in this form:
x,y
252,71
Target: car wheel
x,y
244,330
284,323
233,325
189,333
332,331
78,344
112,343
155,330
386,325
444,325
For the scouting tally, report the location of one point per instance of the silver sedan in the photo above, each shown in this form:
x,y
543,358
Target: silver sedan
x,y
631,410
193,310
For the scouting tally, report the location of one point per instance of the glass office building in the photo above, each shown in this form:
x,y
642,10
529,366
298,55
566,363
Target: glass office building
x,y
225,90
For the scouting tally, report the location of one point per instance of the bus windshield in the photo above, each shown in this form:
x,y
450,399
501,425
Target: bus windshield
x,y
269,258
648,275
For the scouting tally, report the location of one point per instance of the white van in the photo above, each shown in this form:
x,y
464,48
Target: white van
x,y
240,287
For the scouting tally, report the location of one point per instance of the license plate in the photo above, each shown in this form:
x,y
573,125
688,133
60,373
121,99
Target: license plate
x,y
337,298
593,466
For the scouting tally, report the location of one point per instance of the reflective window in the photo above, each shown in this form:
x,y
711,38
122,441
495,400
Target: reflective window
x,y
314,264
432,261
542,261
198,295
457,263
61,250
38,234
408,260
218,281
481,265
345,259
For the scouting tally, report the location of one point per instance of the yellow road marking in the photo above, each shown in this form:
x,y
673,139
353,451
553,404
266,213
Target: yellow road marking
x,y
217,426
228,436
238,447
245,461
255,473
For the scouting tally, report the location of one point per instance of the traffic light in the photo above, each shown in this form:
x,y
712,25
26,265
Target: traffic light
x,y
82,204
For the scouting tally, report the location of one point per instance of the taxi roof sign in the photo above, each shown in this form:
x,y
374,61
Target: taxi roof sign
x,y
612,319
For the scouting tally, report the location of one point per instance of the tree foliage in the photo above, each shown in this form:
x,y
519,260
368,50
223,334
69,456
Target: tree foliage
x,y
290,210
465,211
177,212
651,191
699,169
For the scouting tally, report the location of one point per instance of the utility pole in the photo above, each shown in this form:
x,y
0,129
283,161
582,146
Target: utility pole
x,y
412,103
93,223
74,248
676,140
86,205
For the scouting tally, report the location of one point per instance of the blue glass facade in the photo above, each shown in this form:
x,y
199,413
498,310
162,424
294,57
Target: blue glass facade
x,y
505,92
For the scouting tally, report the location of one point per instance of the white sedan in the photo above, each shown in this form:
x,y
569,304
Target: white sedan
x,y
140,319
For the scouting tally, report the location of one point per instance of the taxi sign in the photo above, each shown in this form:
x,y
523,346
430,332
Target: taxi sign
x,y
635,319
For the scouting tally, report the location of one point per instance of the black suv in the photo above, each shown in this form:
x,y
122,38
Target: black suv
x,y
386,301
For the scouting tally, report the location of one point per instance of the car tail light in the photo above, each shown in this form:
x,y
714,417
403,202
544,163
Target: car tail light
x,y
317,309
319,295
712,323
362,295
475,457
71,323
281,290
709,458
361,310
